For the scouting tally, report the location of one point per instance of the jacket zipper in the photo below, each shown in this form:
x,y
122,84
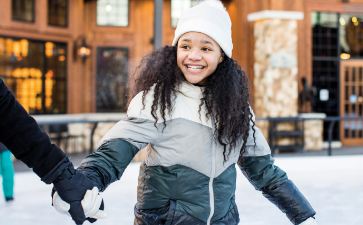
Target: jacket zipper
x,y
211,191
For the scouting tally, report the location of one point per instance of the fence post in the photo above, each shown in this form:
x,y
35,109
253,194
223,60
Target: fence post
x,y
92,133
330,137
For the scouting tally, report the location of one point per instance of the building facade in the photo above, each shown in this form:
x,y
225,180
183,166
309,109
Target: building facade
x,y
78,56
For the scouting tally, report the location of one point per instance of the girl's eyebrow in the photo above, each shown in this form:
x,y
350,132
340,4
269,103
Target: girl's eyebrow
x,y
186,40
203,41
207,42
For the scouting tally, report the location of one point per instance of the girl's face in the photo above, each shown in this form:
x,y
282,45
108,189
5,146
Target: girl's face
x,y
198,56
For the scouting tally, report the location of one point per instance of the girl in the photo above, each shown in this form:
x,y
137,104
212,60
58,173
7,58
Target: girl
x,y
190,109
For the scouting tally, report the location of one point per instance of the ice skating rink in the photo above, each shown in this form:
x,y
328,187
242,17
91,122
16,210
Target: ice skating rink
x,y
333,185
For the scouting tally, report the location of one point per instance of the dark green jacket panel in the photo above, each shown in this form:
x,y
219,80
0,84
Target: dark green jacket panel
x,y
224,187
113,156
261,171
190,189
287,197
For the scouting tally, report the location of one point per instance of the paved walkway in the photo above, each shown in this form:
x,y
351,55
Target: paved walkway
x,y
333,185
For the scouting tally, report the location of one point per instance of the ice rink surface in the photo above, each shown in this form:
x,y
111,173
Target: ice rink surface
x,y
333,185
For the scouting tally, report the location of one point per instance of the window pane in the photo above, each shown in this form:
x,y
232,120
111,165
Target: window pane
x,y
351,35
112,76
113,13
57,12
325,34
35,72
55,77
177,7
23,10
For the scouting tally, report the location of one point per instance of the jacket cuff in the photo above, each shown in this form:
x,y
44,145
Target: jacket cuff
x,y
97,174
287,197
56,171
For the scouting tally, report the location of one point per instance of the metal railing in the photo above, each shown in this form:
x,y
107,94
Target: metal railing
x,y
331,119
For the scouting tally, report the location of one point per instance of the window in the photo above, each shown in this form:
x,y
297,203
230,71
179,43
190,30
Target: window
x,y
113,13
351,35
177,7
35,71
23,10
326,61
111,81
57,12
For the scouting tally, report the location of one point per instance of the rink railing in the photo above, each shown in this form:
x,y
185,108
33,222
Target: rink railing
x,y
331,119
96,118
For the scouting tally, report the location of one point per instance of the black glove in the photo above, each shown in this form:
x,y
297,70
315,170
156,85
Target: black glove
x,y
71,186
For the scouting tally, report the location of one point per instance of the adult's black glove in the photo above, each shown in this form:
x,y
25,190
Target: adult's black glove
x,y
75,189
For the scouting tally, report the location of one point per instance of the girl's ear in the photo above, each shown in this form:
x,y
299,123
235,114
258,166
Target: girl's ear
x,y
221,58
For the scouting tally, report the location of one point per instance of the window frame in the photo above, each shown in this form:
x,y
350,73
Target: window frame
x,y
21,20
66,16
123,48
128,17
43,70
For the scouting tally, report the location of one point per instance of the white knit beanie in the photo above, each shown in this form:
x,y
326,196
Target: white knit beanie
x,y
208,17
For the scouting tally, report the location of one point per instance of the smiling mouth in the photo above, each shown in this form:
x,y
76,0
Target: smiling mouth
x,y
195,69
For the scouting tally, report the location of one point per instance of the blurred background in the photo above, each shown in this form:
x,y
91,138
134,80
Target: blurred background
x,y
70,64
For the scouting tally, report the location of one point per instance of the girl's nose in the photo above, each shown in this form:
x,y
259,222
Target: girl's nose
x,y
194,55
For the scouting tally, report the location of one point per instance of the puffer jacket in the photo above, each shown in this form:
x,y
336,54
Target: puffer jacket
x,y
184,179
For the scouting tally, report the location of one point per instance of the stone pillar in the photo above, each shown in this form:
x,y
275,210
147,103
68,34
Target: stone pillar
x,y
275,64
313,130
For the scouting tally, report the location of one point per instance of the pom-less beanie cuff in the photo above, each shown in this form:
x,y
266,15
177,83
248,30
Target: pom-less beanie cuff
x,y
206,27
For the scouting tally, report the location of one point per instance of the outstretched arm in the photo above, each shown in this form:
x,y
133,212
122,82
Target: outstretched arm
x,y
24,138
258,167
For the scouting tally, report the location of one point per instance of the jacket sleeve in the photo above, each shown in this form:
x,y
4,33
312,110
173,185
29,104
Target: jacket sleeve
x,y
258,167
22,135
120,144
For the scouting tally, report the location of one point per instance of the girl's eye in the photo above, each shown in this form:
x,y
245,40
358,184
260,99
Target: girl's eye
x,y
206,49
185,47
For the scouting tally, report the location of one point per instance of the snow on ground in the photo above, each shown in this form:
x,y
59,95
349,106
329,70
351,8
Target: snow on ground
x,y
333,185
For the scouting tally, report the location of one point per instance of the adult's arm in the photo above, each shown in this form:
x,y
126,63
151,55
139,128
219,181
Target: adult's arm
x,y
21,134
258,167
23,137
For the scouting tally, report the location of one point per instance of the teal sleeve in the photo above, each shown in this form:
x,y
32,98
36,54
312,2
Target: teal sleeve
x,y
261,171
113,156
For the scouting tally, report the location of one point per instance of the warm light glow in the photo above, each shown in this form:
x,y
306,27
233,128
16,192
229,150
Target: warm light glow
x,y
2,44
345,56
49,49
24,47
48,88
360,99
17,73
61,51
9,46
354,19
25,73
356,23
61,58
83,51
342,21
16,48
108,8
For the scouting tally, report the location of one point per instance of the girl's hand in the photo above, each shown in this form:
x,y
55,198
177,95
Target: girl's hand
x,y
92,205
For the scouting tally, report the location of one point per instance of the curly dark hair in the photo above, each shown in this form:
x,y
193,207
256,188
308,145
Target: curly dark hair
x,y
226,94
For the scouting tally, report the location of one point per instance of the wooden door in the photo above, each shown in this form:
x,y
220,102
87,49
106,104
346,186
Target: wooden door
x,y
351,101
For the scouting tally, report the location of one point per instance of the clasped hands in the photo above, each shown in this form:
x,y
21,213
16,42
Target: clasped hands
x,y
74,194
92,205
